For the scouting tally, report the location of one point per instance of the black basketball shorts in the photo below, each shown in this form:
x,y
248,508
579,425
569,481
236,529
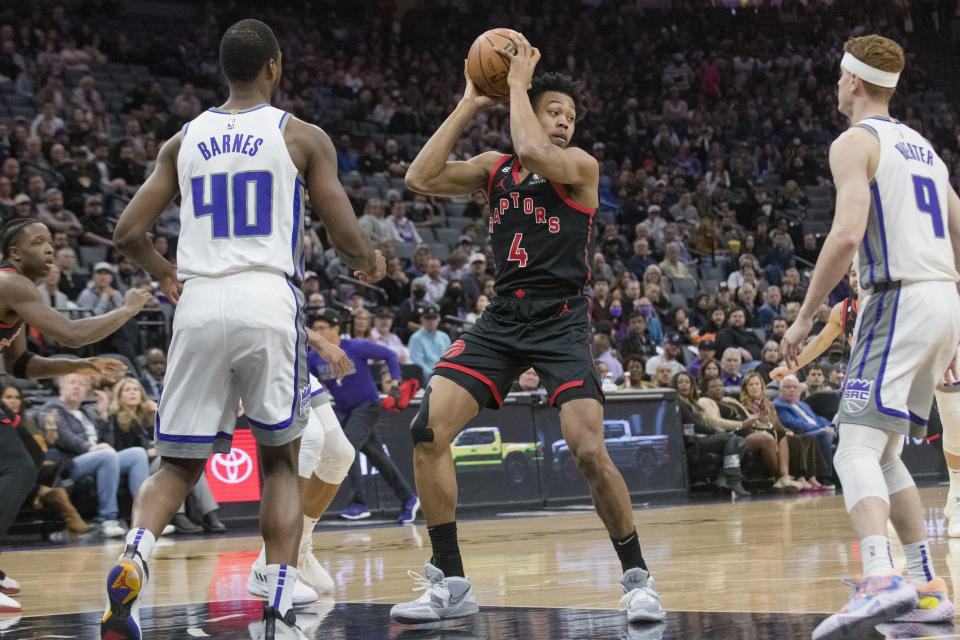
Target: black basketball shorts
x,y
552,335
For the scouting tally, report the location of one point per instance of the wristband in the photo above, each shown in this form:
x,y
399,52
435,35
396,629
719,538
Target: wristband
x,y
20,366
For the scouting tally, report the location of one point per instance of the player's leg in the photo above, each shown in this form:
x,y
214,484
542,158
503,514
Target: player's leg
x,y
865,493
445,409
321,474
948,404
18,476
581,422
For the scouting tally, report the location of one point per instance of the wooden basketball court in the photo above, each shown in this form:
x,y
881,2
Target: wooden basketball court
x,y
767,568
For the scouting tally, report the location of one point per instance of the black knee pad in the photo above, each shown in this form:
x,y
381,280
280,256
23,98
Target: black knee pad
x,y
419,430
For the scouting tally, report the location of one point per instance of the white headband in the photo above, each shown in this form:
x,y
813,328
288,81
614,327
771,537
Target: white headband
x,y
867,73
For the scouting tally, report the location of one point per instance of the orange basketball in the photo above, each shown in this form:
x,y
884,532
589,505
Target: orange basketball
x,y
487,69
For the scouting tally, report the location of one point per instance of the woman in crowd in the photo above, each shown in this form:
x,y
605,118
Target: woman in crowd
x,y
362,324
709,439
729,415
130,424
453,301
635,367
710,370
769,358
13,398
800,452
653,275
477,310
701,312
680,322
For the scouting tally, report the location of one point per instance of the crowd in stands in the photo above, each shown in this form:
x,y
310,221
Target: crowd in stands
x,y
711,129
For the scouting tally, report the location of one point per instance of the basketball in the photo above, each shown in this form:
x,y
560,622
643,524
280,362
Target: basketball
x,y
487,69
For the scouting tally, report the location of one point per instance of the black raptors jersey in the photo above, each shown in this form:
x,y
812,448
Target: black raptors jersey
x,y
539,234
848,317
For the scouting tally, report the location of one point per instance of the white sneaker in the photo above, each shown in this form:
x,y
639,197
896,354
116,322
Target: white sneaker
x,y
313,574
442,599
273,627
257,585
8,585
112,529
9,605
168,530
640,598
125,582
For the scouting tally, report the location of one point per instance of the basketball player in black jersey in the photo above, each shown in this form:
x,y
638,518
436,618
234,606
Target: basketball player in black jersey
x,y
843,320
542,200
27,255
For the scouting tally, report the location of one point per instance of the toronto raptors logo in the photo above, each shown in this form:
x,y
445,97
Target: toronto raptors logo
x,y
233,467
455,349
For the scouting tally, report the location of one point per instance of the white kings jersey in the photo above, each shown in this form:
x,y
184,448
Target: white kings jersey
x,y
242,197
907,237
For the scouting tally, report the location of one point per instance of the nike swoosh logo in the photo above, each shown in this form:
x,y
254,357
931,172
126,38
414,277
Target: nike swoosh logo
x,y
456,600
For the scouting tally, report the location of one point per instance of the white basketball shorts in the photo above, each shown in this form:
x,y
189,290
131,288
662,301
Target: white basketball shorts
x,y
906,335
236,338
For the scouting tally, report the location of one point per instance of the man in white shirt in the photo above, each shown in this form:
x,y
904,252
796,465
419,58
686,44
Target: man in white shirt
x,y
432,280
671,349
403,226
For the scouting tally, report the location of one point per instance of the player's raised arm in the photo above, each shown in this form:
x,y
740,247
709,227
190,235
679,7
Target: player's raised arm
x,y
314,154
541,140
138,217
431,173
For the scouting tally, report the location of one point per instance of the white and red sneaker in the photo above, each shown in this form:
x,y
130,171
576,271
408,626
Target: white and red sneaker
x,y
8,585
9,605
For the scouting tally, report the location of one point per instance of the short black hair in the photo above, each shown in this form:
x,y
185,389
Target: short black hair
x,y
245,48
12,232
561,83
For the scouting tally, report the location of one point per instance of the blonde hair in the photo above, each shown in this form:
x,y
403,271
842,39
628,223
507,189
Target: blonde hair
x,y
363,313
878,52
142,414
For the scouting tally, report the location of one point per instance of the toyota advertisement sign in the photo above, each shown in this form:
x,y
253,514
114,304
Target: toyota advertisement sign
x,y
235,476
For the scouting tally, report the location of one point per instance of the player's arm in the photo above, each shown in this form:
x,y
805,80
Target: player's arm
x,y
430,172
24,299
151,199
330,352
315,156
571,166
820,343
850,158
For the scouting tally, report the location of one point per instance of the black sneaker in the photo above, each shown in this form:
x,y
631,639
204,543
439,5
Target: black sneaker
x,y
185,526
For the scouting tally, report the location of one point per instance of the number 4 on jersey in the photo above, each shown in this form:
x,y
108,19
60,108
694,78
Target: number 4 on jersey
x,y
518,253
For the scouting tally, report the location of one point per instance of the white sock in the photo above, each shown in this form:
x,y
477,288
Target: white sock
x,y
306,538
919,563
262,558
875,555
143,541
281,579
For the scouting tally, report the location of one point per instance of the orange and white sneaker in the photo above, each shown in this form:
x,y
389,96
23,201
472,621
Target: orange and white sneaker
x,y
125,582
933,605
8,604
8,585
875,599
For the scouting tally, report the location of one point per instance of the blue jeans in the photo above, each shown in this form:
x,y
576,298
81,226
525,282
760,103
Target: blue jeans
x,y
108,465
